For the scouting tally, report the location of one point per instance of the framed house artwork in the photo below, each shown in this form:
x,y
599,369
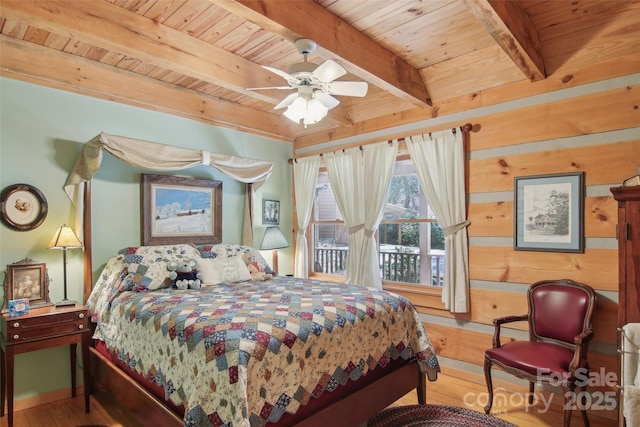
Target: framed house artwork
x,y
26,280
180,210
270,212
549,213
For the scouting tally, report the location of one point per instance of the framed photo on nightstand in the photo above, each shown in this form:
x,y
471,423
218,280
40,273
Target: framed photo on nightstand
x,y
26,279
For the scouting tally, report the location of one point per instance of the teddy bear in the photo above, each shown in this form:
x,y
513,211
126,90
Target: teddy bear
x,y
257,273
183,274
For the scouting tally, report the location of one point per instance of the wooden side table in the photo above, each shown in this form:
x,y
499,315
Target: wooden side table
x,y
42,328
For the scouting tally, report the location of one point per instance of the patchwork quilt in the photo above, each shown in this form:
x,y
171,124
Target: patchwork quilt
x,y
244,353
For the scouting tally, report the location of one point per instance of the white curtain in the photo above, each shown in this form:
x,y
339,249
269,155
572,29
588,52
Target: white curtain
x,y
344,169
155,156
360,180
379,161
305,175
439,161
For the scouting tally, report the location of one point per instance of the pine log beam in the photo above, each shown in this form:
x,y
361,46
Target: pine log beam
x,y
338,40
513,31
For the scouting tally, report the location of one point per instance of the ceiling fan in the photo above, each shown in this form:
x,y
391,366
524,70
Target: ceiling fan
x,y
315,86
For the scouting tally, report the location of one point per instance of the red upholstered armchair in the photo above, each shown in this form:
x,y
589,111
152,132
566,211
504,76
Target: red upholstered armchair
x,y
560,313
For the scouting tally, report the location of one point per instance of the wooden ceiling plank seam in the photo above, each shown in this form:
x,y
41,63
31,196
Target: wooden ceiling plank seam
x,y
187,12
391,21
160,10
55,41
358,53
227,23
512,29
97,22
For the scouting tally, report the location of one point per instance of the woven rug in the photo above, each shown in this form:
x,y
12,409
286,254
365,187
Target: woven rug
x,y
434,415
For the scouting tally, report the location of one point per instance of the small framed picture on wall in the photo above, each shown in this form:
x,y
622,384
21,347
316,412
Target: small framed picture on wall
x,y
549,213
270,212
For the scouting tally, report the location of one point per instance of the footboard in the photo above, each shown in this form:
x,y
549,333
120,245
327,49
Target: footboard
x,y
348,411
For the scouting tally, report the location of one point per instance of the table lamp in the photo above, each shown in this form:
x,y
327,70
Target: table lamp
x,y
274,239
64,239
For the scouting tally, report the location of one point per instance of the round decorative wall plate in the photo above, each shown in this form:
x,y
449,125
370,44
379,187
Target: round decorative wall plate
x,y
22,207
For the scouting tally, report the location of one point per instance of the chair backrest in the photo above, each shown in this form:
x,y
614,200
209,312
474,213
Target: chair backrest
x,y
560,310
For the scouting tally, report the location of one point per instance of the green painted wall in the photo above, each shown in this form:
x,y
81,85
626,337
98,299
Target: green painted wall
x,y
42,131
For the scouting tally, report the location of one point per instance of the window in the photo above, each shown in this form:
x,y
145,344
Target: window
x,y
330,235
411,242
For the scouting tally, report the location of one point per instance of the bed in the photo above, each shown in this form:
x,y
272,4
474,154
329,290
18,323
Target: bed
x,y
238,352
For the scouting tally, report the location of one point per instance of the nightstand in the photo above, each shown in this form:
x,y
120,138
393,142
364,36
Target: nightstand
x,y
44,327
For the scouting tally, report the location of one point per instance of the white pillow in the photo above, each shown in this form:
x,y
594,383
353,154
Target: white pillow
x,y
209,276
215,271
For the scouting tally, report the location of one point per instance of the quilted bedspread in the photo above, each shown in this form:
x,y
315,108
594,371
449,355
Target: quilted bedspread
x,y
245,353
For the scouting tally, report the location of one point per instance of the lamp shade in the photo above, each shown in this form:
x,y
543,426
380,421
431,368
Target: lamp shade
x,y
273,239
307,109
65,238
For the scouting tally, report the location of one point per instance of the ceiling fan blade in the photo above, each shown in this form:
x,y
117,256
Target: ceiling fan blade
x,y
271,88
326,99
329,71
346,88
288,77
287,101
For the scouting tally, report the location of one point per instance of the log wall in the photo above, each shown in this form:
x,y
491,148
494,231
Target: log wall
x,y
593,128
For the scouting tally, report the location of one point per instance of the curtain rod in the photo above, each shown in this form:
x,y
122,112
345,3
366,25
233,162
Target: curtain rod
x,y
466,128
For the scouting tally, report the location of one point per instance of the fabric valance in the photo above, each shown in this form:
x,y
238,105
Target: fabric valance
x,y
152,155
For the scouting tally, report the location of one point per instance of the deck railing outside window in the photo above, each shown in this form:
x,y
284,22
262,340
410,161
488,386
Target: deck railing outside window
x,y
395,266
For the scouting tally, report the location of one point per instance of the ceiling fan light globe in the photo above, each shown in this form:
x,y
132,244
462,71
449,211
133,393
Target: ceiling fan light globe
x,y
296,110
307,111
315,112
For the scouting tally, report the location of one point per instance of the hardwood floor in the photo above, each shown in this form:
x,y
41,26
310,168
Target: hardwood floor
x,y
447,390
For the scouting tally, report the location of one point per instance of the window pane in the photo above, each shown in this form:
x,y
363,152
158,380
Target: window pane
x,y
406,199
403,262
331,243
325,205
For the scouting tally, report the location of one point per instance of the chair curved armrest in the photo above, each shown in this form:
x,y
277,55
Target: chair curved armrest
x,y
582,343
502,320
584,337
509,319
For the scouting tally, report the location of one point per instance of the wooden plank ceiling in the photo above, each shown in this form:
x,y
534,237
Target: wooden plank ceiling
x,y
196,58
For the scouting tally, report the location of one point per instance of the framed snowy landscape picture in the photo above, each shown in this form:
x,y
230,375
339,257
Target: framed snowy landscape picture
x,y
180,210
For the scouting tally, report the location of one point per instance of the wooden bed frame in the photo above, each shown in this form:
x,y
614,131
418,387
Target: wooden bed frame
x,y
352,410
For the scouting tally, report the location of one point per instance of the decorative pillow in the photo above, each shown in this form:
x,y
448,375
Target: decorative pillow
x,y
148,264
209,276
227,250
215,271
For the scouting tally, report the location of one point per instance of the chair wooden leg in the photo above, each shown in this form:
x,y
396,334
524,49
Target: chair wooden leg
x,y
487,377
568,402
583,407
531,390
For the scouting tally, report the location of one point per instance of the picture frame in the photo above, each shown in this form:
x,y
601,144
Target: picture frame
x,y
549,213
180,210
270,212
29,279
22,207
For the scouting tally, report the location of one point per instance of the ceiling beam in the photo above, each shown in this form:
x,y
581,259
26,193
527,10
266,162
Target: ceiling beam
x,y
513,31
358,53
118,30
53,68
